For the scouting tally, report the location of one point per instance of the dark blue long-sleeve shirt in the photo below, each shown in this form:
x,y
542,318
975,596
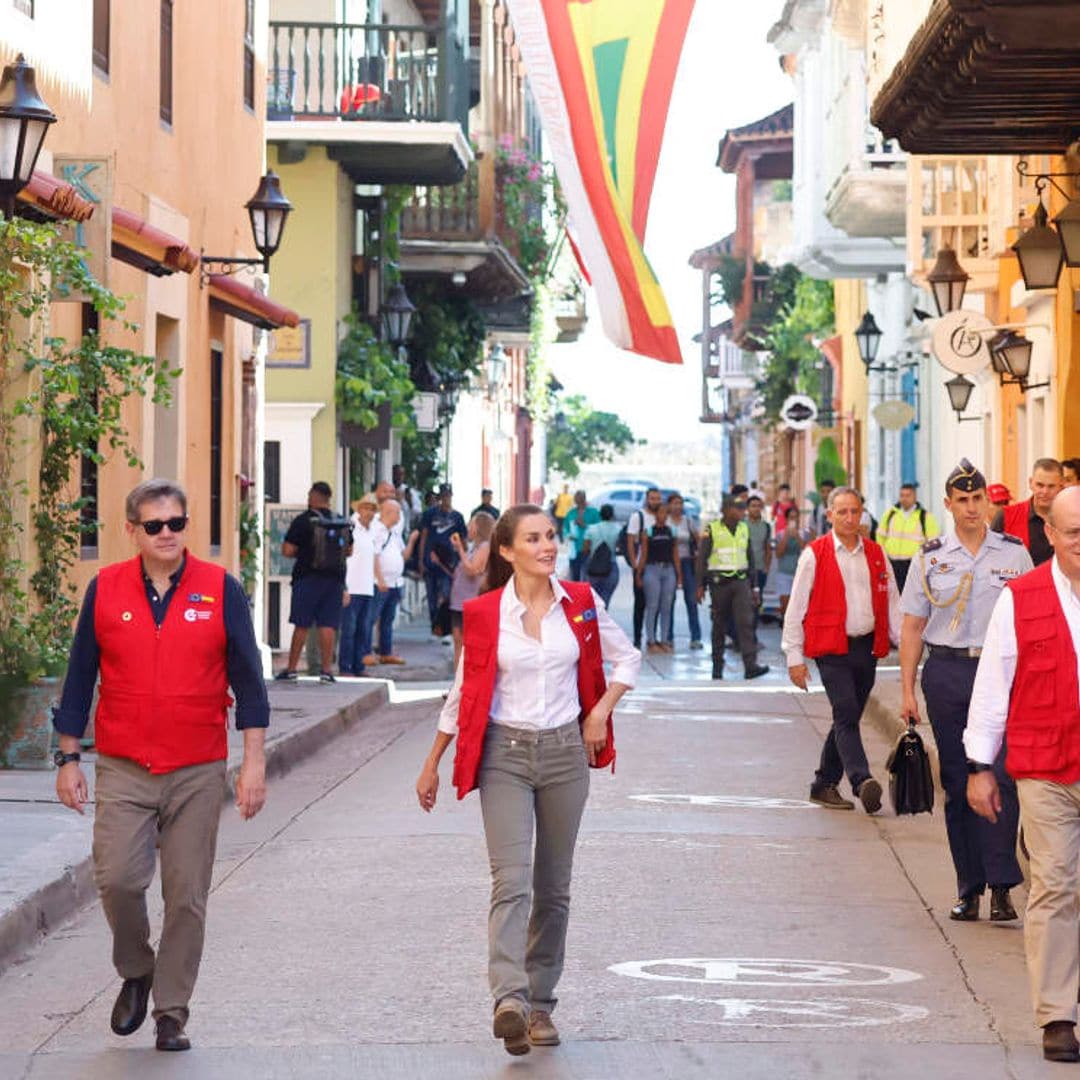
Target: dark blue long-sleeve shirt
x,y
243,662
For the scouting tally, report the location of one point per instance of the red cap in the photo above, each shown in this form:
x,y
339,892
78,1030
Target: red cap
x,y
999,493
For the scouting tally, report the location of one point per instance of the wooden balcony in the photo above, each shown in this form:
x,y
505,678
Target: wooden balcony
x,y
390,102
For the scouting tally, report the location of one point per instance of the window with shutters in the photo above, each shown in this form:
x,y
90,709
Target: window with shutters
x,y
166,62
249,53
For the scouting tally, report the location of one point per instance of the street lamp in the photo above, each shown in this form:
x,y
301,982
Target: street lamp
x,y
997,359
948,281
268,209
396,315
959,390
1068,226
496,369
1039,253
868,339
1014,353
24,120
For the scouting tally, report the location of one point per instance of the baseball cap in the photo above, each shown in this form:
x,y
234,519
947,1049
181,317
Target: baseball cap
x,y
998,493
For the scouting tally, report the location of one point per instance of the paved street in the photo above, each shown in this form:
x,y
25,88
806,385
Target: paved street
x,y
721,925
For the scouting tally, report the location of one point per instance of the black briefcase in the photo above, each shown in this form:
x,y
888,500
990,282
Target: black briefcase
x,y
911,783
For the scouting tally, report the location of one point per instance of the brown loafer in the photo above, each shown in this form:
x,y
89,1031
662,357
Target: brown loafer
x,y
830,798
510,1025
542,1031
391,660
1059,1041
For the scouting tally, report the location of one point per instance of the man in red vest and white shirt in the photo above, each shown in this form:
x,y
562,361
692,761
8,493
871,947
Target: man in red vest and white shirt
x,y
843,613
168,634
1027,692
1027,520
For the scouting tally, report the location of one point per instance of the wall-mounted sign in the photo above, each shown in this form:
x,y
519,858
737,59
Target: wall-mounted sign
x,y
959,341
894,415
426,408
290,346
799,412
91,177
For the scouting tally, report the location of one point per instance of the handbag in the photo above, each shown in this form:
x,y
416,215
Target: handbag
x,y
911,783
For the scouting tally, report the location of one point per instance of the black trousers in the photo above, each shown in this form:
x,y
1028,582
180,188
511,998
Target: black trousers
x,y
732,602
639,609
983,853
900,571
848,680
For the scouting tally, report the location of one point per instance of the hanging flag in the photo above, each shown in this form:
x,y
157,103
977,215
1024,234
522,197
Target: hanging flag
x,y
602,72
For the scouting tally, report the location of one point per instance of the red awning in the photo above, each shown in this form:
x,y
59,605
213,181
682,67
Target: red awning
x,y
54,198
248,304
138,243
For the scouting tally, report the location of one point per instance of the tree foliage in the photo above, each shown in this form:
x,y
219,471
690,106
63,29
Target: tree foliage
x,y
581,434
369,376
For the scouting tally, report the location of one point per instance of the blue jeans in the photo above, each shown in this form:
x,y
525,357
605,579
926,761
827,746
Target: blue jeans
x,y
659,583
382,611
605,586
577,568
355,641
438,590
689,587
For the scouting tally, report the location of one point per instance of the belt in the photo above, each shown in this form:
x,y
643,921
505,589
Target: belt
x,y
734,576
968,653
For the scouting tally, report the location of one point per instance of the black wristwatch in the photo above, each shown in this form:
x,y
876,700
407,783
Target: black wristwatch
x,y
978,766
60,759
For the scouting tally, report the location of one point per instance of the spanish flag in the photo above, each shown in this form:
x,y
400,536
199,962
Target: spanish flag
x,y
602,72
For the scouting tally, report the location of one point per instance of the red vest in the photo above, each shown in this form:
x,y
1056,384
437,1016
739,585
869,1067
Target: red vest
x,y
824,624
480,666
1043,728
1016,521
164,694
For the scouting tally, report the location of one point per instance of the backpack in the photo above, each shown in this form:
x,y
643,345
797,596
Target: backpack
x,y
620,543
330,538
600,561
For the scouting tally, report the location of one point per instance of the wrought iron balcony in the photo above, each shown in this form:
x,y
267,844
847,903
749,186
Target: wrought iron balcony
x,y
367,72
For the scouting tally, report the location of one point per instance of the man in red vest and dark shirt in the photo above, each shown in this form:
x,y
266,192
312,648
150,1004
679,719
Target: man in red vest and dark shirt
x,y
168,634
843,613
1027,692
1026,520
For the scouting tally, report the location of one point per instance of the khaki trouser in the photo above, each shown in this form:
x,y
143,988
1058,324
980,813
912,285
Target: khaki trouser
x,y
177,812
528,776
1051,816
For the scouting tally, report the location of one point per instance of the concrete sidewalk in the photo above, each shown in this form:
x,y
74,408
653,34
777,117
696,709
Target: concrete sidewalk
x,y
45,848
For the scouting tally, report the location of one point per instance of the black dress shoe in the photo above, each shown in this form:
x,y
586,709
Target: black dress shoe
x,y
757,671
717,673
129,1012
1001,908
170,1035
966,909
869,794
1059,1041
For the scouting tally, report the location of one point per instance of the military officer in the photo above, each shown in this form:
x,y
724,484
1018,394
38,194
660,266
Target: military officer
x,y
951,590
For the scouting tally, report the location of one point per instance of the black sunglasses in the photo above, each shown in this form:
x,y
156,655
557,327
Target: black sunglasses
x,y
153,527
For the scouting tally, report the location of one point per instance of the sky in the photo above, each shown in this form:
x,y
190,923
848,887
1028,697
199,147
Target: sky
x,y
728,76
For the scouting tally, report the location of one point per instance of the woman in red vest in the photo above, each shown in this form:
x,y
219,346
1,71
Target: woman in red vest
x,y
532,711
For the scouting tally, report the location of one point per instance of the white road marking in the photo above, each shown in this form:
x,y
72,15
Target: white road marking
x,y
773,1013
775,972
740,802
701,717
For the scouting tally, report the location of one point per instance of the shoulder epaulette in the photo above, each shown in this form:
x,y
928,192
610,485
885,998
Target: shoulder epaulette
x,y
932,545
1012,539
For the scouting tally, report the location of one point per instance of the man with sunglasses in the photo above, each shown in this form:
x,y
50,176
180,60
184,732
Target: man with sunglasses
x,y
169,634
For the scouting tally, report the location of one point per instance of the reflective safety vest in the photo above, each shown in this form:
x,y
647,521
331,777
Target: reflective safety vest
x,y
730,552
902,532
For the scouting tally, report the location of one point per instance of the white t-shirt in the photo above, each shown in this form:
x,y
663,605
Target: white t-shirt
x,y
360,565
390,551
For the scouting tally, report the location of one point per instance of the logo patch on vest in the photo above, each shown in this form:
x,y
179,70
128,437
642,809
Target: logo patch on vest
x,y
191,615
127,616
200,598
586,616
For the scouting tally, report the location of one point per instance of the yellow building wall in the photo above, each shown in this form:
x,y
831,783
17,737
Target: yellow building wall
x,y
191,178
850,300
1068,365
313,275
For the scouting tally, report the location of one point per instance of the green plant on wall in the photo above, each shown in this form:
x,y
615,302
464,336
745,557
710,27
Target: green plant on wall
x,y
532,206
828,465
250,541
369,376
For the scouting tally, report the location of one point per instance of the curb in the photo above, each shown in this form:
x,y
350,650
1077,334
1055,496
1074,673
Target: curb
x,y
53,904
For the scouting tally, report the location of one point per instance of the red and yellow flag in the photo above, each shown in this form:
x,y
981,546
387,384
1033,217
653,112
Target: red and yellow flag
x,y
602,72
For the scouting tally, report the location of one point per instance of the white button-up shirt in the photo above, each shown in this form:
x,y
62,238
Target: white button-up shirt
x,y
855,572
536,683
360,565
990,695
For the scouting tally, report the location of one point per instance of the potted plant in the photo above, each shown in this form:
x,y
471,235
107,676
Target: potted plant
x,y
59,403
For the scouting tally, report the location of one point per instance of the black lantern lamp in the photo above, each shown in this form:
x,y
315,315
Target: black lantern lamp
x,y
268,209
1068,227
396,315
948,281
959,389
997,359
24,120
1015,355
1039,252
868,338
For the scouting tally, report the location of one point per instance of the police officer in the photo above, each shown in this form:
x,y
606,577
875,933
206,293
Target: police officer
x,y
904,527
952,587
725,561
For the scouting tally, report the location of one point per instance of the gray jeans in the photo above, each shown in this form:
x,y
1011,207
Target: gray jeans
x,y
527,776
659,583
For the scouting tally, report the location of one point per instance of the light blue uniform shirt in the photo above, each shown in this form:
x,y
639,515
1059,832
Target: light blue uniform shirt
x,y
945,561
